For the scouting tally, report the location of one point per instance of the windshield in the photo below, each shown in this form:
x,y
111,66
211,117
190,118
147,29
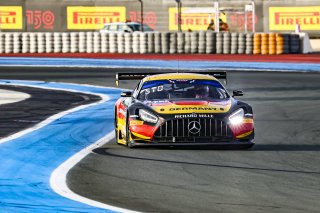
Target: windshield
x,y
137,27
182,89
134,27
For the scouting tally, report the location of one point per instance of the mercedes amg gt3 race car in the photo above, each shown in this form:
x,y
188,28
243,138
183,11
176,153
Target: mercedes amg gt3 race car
x,y
182,109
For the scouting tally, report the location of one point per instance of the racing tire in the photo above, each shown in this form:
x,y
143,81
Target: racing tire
x,y
116,127
128,133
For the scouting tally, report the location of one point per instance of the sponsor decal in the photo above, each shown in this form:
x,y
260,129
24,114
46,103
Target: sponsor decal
x,y
195,108
136,122
193,115
93,18
152,89
156,102
192,21
40,19
286,18
181,81
11,17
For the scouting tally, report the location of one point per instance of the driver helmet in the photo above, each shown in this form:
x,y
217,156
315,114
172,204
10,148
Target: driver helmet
x,y
202,91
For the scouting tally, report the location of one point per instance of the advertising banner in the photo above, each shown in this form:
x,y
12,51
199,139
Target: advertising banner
x,y
149,18
11,17
40,19
93,18
286,18
191,21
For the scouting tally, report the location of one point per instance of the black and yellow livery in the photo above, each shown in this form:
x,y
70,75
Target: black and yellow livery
x,y
182,109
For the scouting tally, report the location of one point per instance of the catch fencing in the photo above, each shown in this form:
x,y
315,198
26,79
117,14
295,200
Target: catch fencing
x,y
202,42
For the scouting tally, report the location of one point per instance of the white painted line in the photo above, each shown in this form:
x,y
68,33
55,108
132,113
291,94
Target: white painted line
x,y
9,96
58,179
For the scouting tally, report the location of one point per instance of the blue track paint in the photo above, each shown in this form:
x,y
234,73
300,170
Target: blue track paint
x,y
26,163
158,64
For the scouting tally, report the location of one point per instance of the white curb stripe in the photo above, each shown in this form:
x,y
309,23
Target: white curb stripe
x,y
58,179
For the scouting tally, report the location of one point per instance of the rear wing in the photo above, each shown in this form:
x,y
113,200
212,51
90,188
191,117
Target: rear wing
x,y
138,76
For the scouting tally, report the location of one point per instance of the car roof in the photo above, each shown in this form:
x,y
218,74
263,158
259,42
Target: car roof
x,y
121,23
174,76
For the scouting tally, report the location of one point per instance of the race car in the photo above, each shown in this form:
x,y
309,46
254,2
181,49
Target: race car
x,y
182,109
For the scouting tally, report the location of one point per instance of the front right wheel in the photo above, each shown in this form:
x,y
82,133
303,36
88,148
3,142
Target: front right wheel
x,y
116,127
128,134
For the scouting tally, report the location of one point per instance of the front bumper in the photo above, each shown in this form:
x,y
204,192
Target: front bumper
x,y
176,132
219,145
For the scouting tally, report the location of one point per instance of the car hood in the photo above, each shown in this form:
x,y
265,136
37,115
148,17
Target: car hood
x,y
189,106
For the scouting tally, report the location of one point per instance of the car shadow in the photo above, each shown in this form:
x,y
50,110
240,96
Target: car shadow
x,y
123,156
256,147
286,147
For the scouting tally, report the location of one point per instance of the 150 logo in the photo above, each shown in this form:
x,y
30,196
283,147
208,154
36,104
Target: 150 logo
x,y
40,19
238,21
149,18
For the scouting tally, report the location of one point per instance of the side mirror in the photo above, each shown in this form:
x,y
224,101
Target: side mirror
x,y
126,94
237,93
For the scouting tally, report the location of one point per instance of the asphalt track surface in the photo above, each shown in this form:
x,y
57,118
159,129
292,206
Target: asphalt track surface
x,y
42,104
280,174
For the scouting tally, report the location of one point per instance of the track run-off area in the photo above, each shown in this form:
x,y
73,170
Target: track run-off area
x,y
280,174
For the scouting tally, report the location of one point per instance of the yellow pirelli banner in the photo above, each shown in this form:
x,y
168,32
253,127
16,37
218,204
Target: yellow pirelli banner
x,y
11,17
93,18
286,18
191,21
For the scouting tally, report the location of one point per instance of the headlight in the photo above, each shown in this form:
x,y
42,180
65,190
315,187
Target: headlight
x,y
236,117
147,116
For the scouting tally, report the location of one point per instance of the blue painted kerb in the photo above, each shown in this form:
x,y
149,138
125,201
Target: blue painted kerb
x,y
157,64
27,162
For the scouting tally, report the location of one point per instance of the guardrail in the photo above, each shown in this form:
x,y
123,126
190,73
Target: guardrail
x,y
203,42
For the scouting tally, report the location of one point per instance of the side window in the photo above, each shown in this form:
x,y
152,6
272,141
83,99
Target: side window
x,y
121,27
136,90
126,28
106,27
113,27
222,93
